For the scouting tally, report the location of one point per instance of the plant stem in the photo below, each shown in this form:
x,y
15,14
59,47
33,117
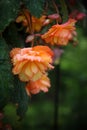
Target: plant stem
x,y
64,10
56,98
55,6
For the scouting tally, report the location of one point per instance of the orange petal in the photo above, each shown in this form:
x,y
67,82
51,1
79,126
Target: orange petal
x,y
23,77
36,76
17,69
34,67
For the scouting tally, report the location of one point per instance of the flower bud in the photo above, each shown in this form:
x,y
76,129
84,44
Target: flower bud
x,y
29,38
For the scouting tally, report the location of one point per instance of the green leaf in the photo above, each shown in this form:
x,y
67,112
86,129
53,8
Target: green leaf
x,y
13,37
3,50
5,74
20,97
35,6
8,12
18,94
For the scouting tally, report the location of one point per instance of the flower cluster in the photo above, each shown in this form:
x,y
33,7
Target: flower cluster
x,y
31,65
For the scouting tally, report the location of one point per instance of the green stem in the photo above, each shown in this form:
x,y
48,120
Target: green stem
x,y
57,86
64,10
55,6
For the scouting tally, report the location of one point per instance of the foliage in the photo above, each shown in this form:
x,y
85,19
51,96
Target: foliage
x,y
35,9
9,10
16,27
5,73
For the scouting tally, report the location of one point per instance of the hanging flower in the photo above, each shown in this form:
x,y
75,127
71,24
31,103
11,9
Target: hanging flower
x,y
60,34
77,15
42,84
31,63
37,23
32,23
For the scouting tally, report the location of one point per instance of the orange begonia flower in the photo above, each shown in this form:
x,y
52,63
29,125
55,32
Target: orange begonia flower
x,y
60,34
42,84
32,23
37,23
31,63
